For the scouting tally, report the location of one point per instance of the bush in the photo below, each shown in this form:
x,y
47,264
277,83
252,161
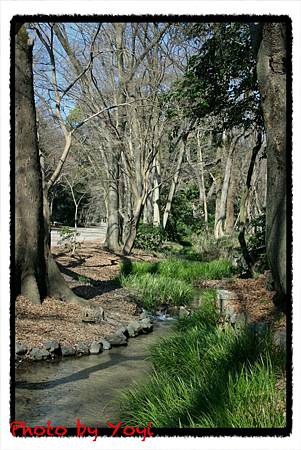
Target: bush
x,y
149,237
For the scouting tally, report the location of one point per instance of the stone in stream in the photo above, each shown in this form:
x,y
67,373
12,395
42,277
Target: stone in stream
x,y
116,340
52,347
146,325
145,315
82,349
183,312
134,328
67,350
38,354
105,344
122,331
20,349
95,348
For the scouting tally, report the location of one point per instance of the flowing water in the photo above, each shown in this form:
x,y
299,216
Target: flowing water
x,y
87,388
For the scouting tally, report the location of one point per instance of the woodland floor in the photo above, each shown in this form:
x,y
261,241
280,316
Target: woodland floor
x,y
92,273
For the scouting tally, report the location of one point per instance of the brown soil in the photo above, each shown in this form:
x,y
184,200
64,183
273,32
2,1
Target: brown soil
x,y
253,298
91,273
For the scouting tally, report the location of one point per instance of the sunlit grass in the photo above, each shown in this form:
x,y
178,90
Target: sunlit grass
x,y
207,377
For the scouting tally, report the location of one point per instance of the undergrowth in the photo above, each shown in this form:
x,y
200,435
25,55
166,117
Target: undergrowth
x,y
169,281
207,377
181,269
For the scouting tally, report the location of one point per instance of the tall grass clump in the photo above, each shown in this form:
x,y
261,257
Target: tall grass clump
x,y
208,377
181,269
158,289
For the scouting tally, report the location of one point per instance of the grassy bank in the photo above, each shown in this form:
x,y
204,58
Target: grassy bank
x,y
171,280
208,377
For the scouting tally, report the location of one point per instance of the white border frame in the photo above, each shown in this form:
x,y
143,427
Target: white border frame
x,y
7,10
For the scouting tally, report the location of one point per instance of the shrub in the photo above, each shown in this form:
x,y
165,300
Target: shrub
x,y
149,237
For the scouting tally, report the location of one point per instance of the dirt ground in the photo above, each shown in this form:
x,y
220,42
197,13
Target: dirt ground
x,y
92,273
253,298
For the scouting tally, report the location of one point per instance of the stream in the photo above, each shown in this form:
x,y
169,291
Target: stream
x,y
87,388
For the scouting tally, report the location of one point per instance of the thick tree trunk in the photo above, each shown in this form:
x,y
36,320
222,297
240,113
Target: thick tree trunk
x,y
29,225
37,274
271,72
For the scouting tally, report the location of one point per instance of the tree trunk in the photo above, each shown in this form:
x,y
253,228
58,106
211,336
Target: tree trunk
x,y
29,224
133,227
271,72
229,222
37,274
112,237
243,207
156,194
174,183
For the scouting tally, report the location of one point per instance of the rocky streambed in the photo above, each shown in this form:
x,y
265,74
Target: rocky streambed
x,y
88,388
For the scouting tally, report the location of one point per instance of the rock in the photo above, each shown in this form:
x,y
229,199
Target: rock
x,y
52,347
134,328
122,331
105,344
93,315
173,311
82,349
38,354
145,315
20,349
146,325
259,328
279,338
67,350
116,340
183,312
95,348
224,301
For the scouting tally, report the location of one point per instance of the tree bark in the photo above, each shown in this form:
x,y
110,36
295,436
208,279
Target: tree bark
x,y
37,274
29,223
243,206
271,73
156,193
174,183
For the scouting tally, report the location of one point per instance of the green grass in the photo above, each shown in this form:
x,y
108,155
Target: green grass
x,y
169,281
181,269
158,289
206,377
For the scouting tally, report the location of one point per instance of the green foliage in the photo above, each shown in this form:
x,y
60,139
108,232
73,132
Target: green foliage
x,y
158,289
206,377
219,75
180,269
149,237
68,238
256,243
181,221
